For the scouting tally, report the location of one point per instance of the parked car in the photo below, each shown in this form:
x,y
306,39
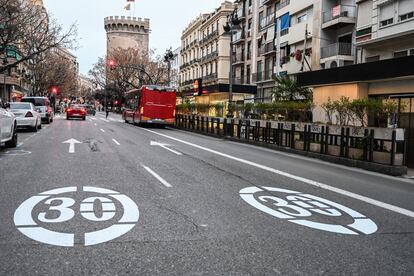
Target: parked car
x,y
8,126
76,111
27,116
91,110
46,111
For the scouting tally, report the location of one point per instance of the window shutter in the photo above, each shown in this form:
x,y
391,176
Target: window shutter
x,y
387,11
405,6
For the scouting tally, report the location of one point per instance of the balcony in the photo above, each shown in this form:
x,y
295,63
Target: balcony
x,y
208,37
238,59
209,57
267,21
337,49
210,78
263,76
339,16
268,2
241,14
267,49
239,37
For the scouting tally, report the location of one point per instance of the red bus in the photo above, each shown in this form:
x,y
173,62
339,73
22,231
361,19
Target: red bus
x,y
151,104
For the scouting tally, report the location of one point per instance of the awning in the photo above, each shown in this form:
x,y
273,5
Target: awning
x,y
285,21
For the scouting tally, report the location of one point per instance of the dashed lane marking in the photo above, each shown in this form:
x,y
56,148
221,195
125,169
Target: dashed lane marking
x,y
116,142
159,178
102,130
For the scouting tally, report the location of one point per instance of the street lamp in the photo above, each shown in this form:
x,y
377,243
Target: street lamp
x,y
111,65
5,62
231,27
168,57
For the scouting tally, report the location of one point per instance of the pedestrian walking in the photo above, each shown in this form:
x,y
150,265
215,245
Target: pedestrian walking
x,y
107,113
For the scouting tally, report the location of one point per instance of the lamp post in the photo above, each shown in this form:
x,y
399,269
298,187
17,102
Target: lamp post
x,y
231,27
168,57
111,64
5,62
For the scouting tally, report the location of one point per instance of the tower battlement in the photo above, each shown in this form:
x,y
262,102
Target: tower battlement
x,y
127,32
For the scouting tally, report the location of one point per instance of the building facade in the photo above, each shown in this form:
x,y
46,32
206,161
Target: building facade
x,y
175,68
275,39
127,32
383,52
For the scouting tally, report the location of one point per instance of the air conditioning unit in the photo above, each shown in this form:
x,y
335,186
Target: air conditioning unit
x,y
334,63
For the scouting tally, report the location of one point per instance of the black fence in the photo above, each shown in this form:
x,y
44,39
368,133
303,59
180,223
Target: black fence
x,y
379,145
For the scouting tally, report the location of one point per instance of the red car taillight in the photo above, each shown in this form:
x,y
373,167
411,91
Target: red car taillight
x,y
29,114
83,110
174,113
142,111
69,110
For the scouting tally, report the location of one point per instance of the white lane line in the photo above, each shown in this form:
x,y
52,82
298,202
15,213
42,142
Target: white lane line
x,y
102,130
164,146
159,178
298,178
116,142
111,119
93,118
105,120
121,121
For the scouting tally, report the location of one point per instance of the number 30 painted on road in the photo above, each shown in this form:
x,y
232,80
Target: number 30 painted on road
x,y
63,206
299,208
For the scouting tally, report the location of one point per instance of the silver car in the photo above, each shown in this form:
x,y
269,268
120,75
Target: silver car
x,y
43,104
27,116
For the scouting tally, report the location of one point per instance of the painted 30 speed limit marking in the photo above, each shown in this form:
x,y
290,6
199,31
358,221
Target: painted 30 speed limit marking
x,y
307,210
39,216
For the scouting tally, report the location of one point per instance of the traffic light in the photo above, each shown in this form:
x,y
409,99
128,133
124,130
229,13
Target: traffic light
x,y
54,90
198,87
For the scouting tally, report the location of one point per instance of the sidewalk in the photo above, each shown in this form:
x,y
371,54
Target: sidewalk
x,y
410,173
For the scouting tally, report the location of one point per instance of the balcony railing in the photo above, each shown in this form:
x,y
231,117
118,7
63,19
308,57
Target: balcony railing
x,y
337,49
209,57
210,77
282,4
338,12
266,49
239,36
266,75
238,58
241,14
209,36
267,21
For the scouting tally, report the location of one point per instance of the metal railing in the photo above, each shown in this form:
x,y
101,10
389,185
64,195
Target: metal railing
x,y
339,11
384,146
263,76
337,49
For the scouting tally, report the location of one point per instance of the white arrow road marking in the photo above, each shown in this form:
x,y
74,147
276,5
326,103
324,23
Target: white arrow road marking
x,y
164,146
159,178
371,201
72,143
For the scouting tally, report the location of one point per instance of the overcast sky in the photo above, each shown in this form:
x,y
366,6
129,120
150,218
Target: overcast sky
x,y
168,19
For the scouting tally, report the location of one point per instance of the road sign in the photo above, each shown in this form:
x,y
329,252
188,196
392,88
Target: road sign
x,y
47,216
308,210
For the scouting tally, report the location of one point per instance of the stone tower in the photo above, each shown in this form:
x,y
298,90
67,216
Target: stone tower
x,y
127,32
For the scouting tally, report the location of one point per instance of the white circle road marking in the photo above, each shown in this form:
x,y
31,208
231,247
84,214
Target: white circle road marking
x,y
56,201
298,208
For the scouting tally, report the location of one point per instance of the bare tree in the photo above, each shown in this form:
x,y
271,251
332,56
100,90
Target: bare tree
x,y
27,31
130,70
55,71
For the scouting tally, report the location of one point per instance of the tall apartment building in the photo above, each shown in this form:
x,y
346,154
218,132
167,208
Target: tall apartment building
x,y
205,54
383,49
175,68
275,38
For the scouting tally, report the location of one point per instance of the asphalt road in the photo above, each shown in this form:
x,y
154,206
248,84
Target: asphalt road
x,y
185,204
